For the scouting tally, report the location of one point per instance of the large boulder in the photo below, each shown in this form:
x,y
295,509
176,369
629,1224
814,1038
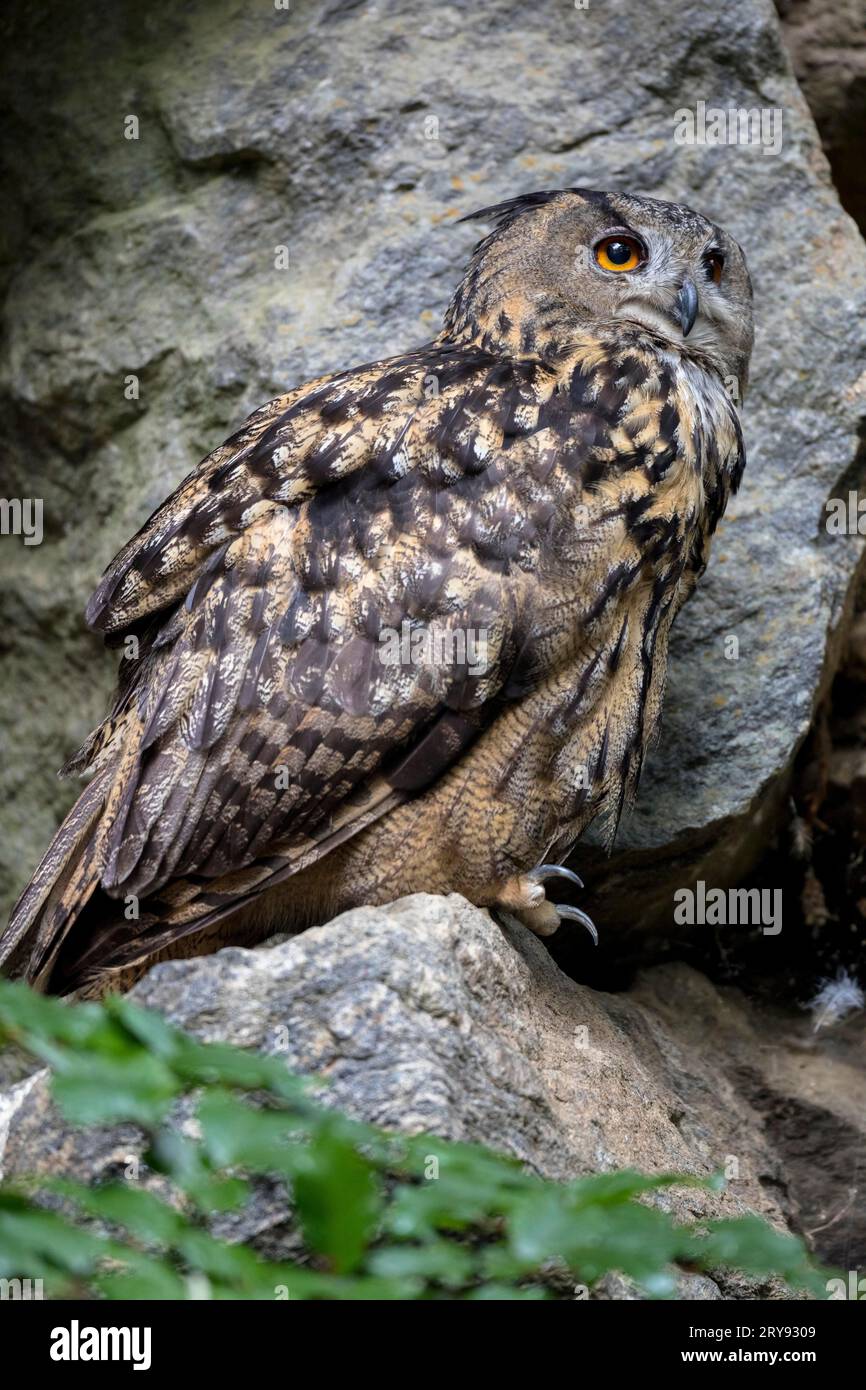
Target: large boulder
x,y
163,162
427,1016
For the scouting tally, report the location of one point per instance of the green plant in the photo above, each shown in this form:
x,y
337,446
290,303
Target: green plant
x,y
383,1216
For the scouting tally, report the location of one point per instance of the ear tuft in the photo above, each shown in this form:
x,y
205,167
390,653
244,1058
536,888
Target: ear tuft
x,y
513,207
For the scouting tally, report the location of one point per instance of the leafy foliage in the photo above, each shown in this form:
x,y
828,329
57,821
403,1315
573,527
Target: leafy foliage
x,y
382,1216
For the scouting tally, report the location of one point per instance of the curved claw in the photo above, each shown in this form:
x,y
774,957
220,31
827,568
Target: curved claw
x,y
575,915
545,871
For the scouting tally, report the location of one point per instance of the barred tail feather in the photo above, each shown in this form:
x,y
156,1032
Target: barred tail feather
x,y
59,889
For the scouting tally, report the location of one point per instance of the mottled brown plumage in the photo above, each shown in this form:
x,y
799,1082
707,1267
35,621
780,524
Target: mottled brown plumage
x,y
547,472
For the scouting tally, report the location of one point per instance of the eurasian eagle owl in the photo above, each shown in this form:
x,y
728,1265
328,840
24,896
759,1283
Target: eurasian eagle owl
x,y
407,629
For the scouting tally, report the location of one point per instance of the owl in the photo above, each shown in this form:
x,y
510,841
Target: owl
x,y
407,629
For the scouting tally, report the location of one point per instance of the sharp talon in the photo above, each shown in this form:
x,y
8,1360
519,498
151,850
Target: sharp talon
x,y
575,914
545,871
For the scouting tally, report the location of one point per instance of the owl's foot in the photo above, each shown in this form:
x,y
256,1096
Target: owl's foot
x,y
526,897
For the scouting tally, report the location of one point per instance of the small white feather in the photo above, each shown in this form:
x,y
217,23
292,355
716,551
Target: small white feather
x,y
835,1000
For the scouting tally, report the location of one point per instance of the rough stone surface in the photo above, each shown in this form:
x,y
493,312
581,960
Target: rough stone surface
x,y
427,1016
827,42
354,134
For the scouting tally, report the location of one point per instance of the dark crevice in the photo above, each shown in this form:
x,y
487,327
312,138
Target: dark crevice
x,y
827,43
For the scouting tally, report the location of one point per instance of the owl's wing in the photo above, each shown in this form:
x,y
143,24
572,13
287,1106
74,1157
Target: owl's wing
x,y
260,716
327,614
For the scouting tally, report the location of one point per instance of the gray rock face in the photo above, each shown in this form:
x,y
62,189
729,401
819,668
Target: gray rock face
x,y
426,1016
146,316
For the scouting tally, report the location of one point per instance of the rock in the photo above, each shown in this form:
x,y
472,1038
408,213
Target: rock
x,y
690,1288
426,1016
827,40
146,317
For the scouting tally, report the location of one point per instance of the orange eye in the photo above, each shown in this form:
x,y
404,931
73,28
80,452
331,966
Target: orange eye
x,y
619,253
715,263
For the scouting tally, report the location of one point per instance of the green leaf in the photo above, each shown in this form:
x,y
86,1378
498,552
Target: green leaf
x,y
208,1062
749,1244
607,1189
444,1262
141,1212
142,1279
235,1133
634,1239
184,1160
97,1090
49,1236
24,1012
507,1293
232,1264
337,1198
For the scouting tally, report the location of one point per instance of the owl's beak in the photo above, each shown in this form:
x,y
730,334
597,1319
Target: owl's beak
x,y
686,306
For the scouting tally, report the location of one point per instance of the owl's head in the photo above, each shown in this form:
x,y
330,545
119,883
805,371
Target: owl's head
x,y
564,260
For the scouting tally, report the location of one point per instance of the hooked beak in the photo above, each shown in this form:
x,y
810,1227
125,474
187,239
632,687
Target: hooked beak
x,y
686,306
